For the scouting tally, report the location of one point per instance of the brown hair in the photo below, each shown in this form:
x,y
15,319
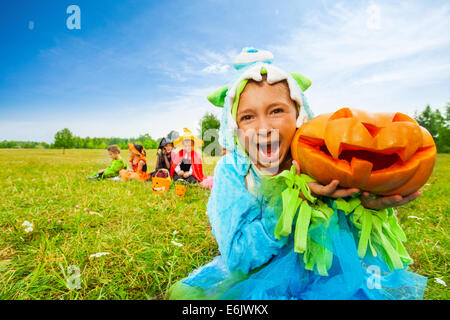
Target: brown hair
x,y
114,149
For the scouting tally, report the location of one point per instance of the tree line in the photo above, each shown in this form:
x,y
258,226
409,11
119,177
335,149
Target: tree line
x,y
65,139
438,125
434,121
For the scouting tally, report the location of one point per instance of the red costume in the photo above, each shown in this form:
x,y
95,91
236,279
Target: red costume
x,y
196,163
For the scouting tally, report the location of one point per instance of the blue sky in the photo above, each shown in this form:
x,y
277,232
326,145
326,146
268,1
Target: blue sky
x,y
146,66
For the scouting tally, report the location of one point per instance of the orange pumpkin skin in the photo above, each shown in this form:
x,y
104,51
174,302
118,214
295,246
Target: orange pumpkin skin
x,y
383,153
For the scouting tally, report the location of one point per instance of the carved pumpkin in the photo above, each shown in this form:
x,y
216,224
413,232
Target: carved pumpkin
x,y
180,190
160,185
383,153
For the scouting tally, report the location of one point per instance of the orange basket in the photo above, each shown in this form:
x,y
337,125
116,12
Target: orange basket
x,y
180,190
160,185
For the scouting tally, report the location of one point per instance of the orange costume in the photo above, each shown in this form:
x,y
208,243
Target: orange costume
x,y
134,173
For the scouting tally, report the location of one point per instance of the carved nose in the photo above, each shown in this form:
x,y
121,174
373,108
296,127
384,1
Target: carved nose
x,y
373,130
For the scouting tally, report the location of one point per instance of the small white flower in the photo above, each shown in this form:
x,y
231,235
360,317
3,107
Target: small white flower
x,y
440,281
175,232
414,217
28,226
96,213
98,255
177,244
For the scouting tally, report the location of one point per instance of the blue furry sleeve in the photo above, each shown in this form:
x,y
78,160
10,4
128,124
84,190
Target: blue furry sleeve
x,y
238,220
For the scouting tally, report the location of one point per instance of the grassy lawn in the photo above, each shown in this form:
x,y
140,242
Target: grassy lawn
x,y
141,232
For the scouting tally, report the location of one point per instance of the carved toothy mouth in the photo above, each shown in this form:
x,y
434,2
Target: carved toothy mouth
x,y
379,161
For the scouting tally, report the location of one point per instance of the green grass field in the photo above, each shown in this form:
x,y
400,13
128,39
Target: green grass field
x,y
141,232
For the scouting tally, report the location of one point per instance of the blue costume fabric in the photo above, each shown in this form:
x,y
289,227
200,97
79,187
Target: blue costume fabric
x,y
254,264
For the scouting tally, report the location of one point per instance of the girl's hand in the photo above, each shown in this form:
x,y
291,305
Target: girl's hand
x,y
384,202
186,174
330,190
140,165
180,173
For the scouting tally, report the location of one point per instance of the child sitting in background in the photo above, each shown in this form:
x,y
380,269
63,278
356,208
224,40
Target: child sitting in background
x,y
138,163
116,164
187,164
163,157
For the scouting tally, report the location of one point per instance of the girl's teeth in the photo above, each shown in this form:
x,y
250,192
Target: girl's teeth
x,y
269,152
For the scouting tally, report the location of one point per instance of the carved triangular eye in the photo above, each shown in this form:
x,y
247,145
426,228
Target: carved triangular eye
x,y
402,117
342,113
373,130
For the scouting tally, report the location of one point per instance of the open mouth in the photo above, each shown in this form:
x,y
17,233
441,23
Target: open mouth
x,y
378,160
268,152
397,170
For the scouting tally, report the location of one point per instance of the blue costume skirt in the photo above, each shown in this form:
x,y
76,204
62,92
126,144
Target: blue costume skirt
x,y
284,276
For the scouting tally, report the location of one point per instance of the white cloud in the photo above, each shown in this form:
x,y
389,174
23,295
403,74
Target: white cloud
x,y
342,40
397,61
206,61
373,17
216,68
409,76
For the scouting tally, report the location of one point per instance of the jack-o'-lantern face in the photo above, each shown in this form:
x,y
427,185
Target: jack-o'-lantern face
x,y
160,185
383,153
180,190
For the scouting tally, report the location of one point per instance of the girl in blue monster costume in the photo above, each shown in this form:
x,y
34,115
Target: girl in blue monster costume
x,y
346,245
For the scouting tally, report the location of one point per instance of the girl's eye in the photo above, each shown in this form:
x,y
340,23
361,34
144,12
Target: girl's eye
x,y
278,110
246,117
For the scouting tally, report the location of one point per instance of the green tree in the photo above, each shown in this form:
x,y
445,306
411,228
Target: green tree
x,y
147,141
447,113
77,142
430,120
64,139
123,145
209,132
443,140
438,126
43,145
